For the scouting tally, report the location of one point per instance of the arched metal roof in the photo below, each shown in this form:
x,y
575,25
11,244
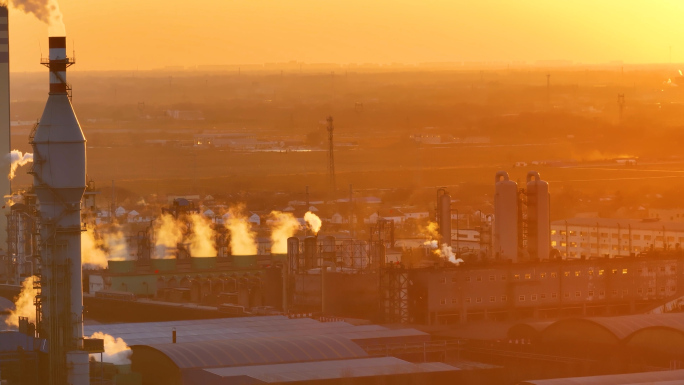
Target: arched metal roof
x,y
224,353
611,329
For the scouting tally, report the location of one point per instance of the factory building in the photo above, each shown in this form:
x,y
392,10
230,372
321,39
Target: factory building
x,y
605,237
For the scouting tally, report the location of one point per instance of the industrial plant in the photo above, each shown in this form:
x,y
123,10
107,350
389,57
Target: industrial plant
x,y
326,283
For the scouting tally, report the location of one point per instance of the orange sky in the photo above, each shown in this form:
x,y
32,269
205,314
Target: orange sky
x,y
147,34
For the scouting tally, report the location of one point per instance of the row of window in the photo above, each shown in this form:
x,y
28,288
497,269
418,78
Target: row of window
x,y
553,274
578,294
636,237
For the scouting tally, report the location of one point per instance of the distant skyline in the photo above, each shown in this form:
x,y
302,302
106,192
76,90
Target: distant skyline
x,y
148,34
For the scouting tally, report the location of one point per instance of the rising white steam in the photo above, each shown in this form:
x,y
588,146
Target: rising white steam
x,y
17,159
168,233
313,221
116,351
202,240
283,226
447,253
24,306
242,238
92,255
46,11
107,244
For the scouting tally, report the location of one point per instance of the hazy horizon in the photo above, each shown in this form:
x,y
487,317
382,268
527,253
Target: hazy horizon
x,y
131,35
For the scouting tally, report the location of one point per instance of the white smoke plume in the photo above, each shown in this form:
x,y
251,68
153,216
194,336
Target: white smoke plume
x,y
242,238
202,240
447,253
313,221
17,159
92,254
168,233
116,351
283,226
46,11
24,306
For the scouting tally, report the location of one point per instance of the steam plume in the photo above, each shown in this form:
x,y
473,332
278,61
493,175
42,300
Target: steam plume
x,y
24,306
242,238
17,158
168,233
447,253
96,251
283,226
46,11
313,221
202,239
116,351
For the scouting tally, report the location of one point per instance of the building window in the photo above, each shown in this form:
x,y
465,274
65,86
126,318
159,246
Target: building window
x,y
614,236
640,290
467,300
567,294
554,295
578,294
492,299
554,243
504,298
442,301
662,289
600,271
521,298
647,237
602,293
636,237
673,288
553,274
640,270
533,297
673,268
528,276
542,275
503,277
590,272
662,269
492,278
517,276
590,293
467,279
624,271
577,273
615,291
454,279
479,278
443,280
454,301
542,296
479,300
553,232
567,273
650,290
615,271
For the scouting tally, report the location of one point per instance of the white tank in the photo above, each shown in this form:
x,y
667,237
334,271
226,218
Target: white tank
x,y
505,240
538,217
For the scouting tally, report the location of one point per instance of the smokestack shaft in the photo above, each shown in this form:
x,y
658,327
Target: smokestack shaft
x,y
5,144
58,64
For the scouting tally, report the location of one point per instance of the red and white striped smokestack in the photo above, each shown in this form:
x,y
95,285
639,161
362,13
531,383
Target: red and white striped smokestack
x,y
58,64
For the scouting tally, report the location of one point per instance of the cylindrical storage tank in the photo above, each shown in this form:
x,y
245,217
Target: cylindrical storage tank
x,y
293,253
162,265
310,253
245,261
199,263
538,217
444,218
121,266
328,249
505,240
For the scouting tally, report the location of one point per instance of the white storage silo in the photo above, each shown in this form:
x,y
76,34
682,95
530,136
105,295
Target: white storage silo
x,y
538,217
505,240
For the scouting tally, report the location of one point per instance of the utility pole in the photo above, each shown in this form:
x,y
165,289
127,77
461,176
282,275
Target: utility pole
x,y
331,157
621,106
351,211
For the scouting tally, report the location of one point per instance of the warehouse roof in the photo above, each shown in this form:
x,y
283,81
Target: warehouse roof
x,y
635,224
660,378
258,351
327,370
608,329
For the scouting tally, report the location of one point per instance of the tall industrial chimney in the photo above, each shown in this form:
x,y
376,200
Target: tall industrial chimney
x,y
59,171
5,188
505,217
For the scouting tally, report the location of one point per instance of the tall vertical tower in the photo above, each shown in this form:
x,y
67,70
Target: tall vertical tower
x,y
538,219
331,157
505,217
59,179
5,188
444,216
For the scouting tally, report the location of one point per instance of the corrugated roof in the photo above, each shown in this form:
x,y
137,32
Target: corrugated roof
x,y
664,377
258,351
620,326
309,371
